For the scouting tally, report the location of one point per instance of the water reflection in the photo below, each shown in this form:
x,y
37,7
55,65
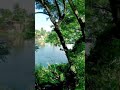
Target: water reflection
x,y
9,42
17,71
4,51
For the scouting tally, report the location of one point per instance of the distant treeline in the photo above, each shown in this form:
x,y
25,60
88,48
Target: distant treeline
x,y
17,20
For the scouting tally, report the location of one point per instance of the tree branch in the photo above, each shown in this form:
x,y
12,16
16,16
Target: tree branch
x,y
56,25
64,5
57,30
41,13
62,41
81,23
48,10
58,9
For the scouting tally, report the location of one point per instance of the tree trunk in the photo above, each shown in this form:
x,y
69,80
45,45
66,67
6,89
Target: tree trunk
x,y
57,30
75,11
81,24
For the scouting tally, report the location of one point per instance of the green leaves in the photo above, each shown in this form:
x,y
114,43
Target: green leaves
x,y
53,38
68,30
49,75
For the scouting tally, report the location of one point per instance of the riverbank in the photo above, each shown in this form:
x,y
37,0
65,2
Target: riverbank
x,y
55,77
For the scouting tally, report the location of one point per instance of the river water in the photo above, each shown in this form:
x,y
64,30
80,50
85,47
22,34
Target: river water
x,y
18,59
17,66
49,54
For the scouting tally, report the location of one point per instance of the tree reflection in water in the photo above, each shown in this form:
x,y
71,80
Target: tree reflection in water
x,y
4,51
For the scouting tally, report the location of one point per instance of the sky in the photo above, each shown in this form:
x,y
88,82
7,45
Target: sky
x,y
42,22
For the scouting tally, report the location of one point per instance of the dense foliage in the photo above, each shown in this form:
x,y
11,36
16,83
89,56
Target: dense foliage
x,y
66,30
102,71
101,35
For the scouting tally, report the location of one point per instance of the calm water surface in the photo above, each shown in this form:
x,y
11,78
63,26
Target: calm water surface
x,y
17,70
49,54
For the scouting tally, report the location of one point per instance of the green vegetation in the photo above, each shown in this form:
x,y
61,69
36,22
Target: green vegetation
x,y
56,76
41,37
68,28
102,70
101,35
17,21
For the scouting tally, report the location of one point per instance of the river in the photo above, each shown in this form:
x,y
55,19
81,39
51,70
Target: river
x,y
20,58
49,54
17,62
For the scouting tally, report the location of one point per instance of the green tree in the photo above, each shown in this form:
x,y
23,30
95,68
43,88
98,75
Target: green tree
x,y
102,28
68,29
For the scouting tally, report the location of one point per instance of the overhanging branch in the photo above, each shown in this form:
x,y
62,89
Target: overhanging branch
x,y
81,23
48,10
58,9
41,13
